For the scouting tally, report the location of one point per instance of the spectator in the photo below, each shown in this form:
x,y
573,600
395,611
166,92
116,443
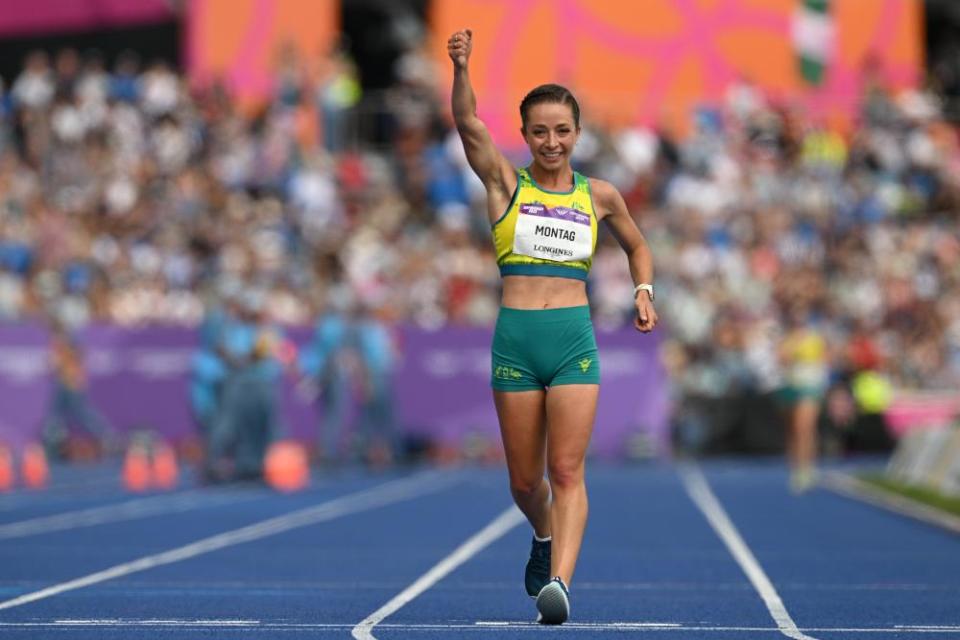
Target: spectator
x,y
246,420
377,435
70,404
327,364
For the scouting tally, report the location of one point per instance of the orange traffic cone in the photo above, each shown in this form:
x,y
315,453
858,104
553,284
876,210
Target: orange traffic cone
x,y
6,468
285,467
34,467
136,469
165,468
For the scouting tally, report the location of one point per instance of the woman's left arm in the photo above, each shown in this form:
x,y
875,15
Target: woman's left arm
x,y
613,210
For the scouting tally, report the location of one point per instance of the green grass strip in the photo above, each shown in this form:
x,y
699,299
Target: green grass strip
x,y
930,497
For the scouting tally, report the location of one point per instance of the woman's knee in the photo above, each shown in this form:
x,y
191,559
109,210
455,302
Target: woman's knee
x,y
522,487
566,473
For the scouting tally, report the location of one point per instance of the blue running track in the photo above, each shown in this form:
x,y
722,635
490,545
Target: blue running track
x,y
83,559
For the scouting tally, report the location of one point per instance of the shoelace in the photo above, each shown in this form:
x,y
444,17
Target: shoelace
x,y
540,557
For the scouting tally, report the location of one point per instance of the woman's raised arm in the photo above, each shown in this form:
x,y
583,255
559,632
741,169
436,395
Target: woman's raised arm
x,y
493,169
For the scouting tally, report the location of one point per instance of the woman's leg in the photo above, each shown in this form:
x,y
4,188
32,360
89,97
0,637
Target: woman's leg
x,y
803,441
808,410
805,426
570,411
521,415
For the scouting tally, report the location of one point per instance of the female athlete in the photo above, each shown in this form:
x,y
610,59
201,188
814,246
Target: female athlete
x,y
545,370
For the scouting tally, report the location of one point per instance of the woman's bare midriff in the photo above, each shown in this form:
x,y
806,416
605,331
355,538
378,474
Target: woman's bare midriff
x,y
542,292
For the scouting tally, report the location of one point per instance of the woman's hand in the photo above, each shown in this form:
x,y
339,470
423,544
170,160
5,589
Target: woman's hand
x,y
460,46
646,318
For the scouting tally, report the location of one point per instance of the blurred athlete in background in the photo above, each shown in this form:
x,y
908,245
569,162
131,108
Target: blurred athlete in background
x,y
803,352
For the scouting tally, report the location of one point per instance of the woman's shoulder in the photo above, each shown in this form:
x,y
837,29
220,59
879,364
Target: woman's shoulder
x,y
597,183
602,190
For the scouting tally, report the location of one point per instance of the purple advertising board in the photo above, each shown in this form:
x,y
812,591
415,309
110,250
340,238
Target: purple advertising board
x,y
57,16
139,379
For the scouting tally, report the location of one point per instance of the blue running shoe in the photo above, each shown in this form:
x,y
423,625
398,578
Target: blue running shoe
x,y
537,574
553,603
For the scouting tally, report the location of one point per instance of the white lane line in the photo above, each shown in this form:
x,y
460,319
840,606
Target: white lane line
x,y
499,526
129,510
159,622
856,489
378,496
586,625
491,625
657,626
699,491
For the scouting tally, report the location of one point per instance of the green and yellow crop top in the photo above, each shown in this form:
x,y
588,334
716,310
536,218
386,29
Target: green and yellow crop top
x,y
547,233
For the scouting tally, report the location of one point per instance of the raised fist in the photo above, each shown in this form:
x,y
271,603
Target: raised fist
x,y
459,46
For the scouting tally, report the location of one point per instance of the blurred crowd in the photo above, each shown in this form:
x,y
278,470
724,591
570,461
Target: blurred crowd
x,y
129,197
778,229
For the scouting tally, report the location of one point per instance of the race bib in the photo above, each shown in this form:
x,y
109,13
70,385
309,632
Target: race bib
x,y
557,233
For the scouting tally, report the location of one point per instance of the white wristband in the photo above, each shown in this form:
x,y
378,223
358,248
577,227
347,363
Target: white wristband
x,y
643,287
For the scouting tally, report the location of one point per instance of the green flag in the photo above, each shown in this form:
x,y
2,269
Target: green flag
x,y
813,34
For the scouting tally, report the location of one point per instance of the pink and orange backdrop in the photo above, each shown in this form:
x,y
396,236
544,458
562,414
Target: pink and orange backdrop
x,y
651,61
238,41
629,61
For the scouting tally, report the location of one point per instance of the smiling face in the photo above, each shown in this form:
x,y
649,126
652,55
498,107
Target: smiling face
x,y
551,132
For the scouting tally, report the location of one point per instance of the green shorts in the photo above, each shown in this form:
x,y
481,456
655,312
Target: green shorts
x,y
534,349
789,395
